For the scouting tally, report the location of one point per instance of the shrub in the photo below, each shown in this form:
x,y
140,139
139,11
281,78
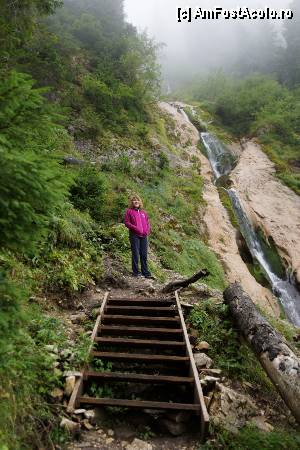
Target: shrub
x,y
88,192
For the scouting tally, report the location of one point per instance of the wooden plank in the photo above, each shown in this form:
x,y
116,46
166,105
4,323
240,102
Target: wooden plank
x,y
140,404
143,300
140,319
137,377
145,310
132,331
140,357
77,392
98,321
139,342
194,372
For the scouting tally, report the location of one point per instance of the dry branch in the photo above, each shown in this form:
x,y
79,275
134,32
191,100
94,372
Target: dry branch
x,y
174,285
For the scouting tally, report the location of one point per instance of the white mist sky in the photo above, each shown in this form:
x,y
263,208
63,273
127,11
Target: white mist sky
x,y
203,44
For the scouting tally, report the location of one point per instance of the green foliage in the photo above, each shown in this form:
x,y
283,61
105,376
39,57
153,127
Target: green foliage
x,y
103,391
214,325
71,258
18,21
250,438
88,192
25,369
32,183
188,256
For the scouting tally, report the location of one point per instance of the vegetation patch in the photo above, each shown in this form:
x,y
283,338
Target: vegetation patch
x,y
214,325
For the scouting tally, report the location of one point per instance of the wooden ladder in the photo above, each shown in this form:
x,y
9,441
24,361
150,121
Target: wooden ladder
x,y
143,341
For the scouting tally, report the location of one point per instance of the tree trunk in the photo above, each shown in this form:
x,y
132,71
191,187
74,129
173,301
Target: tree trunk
x,y
174,285
278,360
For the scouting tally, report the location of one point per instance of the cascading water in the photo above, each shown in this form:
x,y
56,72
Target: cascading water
x,y
283,289
220,158
222,162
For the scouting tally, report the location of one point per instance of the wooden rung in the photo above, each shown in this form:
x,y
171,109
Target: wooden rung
x,y
136,377
145,310
134,331
143,300
140,319
143,404
140,357
139,342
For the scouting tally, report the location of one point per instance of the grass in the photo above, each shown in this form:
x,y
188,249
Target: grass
x,y
250,438
214,325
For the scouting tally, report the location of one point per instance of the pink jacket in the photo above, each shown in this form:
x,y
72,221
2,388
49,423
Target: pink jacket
x,y
137,220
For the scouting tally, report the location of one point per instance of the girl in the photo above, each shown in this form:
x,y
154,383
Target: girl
x,y
137,221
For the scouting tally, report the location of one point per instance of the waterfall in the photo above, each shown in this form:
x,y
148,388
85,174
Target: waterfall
x,y
284,290
220,158
222,162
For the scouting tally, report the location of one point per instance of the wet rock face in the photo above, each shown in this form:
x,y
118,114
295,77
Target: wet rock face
x,y
273,207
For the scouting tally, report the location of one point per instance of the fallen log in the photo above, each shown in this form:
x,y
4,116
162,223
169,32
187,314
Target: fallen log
x,y
174,285
276,357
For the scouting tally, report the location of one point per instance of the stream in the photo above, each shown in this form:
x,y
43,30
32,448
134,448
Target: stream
x,y
222,162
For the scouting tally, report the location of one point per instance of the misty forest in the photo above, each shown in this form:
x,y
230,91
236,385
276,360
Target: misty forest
x,y
106,100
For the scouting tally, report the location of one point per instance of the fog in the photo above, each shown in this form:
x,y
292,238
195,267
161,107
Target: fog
x,y
206,45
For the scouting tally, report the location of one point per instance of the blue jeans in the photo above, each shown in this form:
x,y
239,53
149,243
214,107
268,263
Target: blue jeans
x,y
139,250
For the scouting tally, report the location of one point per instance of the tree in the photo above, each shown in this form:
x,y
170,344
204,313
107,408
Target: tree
x,y
290,66
32,183
18,19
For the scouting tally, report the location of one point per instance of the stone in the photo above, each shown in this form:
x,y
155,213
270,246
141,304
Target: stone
x,y
202,360
78,318
89,414
57,394
109,440
212,372
230,409
203,345
179,416
87,424
79,411
175,428
124,432
261,424
70,373
209,379
110,433
138,444
69,385
69,425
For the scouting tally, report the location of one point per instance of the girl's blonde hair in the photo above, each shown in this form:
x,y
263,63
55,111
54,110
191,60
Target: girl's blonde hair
x,y
135,197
